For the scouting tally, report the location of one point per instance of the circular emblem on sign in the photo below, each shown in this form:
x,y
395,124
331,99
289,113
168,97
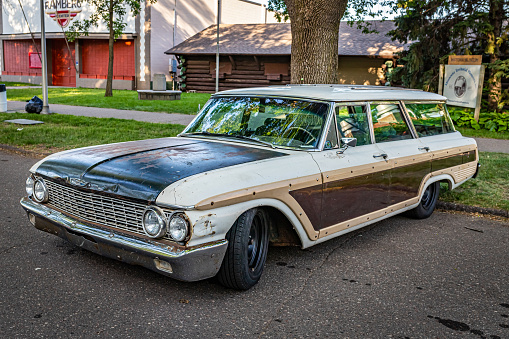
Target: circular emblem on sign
x,y
460,86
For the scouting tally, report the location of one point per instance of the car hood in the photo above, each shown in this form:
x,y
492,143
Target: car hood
x,y
142,169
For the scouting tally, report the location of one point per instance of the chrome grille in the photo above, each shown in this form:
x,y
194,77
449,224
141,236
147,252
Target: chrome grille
x,y
103,210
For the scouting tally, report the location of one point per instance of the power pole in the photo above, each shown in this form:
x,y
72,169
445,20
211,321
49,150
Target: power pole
x,y
217,51
45,105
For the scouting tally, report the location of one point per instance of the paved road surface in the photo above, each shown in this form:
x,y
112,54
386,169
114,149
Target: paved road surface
x,y
444,277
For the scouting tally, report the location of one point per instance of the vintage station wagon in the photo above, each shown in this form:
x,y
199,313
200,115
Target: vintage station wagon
x,y
299,164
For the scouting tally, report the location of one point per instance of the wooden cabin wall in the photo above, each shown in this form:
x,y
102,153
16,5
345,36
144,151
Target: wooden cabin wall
x,y
197,72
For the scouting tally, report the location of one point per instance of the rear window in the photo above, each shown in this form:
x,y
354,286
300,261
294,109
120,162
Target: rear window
x,y
429,119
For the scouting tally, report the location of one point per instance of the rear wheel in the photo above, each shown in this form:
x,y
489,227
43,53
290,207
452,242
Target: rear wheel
x,y
248,242
428,202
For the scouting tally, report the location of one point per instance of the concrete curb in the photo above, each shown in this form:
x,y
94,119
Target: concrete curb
x,y
450,206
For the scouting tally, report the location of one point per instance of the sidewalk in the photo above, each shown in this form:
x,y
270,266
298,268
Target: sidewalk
x,y
492,145
485,145
95,112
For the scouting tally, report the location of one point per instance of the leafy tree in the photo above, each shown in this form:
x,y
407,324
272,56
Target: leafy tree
x,y
315,34
444,27
112,13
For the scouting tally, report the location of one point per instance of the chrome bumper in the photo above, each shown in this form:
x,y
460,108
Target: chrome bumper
x,y
191,264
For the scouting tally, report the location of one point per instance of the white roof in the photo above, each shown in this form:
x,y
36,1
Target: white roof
x,y
337,93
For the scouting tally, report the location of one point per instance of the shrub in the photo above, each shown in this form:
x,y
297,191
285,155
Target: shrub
x,y
492,121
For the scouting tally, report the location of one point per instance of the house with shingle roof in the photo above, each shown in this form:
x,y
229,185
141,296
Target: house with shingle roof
x,y
260,54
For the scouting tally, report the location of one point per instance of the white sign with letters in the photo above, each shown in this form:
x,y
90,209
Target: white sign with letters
x,y
461,85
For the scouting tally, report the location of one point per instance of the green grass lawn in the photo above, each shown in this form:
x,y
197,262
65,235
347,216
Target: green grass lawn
x,y
482,133
60,132
491,187
16,84
122,99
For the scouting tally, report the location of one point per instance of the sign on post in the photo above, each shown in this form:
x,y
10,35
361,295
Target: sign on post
x,y
462,82
460,85
465,59
62,11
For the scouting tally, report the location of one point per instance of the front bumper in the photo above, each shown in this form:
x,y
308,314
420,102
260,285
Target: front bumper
x,y
188,264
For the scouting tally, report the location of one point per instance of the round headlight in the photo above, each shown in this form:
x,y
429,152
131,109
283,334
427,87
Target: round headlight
x,y
178,227
29,186
154,223
40,191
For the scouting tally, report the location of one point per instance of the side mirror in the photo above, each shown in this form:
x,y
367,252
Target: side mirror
x,y
350,142
347,142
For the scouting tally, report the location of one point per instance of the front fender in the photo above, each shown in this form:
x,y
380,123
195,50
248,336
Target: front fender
x,y
213,224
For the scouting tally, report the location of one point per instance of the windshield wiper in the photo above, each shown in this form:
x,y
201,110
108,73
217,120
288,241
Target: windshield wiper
x,y
226,135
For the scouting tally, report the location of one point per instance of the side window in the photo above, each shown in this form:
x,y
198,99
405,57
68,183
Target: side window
x,y
388,123
429,119
353,123
332,137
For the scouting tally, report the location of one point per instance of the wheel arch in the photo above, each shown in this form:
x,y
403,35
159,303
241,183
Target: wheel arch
x,y
442,178
281,230
285,227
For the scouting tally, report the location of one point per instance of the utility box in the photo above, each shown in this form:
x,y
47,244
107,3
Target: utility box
x,y
159,82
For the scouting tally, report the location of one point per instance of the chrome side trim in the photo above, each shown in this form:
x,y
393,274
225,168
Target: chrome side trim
x,y
177,208
188,264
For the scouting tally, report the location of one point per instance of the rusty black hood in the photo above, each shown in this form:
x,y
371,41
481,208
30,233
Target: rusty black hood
x,y
142,169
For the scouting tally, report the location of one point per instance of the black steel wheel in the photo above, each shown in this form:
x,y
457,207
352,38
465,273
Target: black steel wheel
x,y
248,242
428,202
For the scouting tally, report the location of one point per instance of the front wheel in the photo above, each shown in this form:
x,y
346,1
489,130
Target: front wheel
x,y
428,202
248,242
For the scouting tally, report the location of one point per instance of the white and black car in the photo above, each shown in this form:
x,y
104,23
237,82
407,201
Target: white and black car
x,y
291,165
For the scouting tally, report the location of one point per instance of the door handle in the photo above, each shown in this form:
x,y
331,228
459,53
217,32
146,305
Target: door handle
x,y
382,155
425,148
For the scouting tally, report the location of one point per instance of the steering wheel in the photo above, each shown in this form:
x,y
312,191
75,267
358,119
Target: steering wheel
x,y
311,136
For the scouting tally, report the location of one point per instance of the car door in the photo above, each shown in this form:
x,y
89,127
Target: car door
x,y
356,180
409,159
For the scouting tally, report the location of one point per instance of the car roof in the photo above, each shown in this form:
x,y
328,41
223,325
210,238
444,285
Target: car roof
x,y
337,93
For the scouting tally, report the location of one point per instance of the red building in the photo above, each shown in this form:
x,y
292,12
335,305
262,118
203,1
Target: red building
x,y
92,60
138,52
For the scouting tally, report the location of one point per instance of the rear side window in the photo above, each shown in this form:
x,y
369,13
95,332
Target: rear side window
x,y
429,119
388,123
353,123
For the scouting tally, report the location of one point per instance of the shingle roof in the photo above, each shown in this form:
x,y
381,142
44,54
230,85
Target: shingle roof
x,y
276,39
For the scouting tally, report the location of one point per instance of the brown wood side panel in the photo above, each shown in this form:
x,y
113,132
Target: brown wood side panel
x,y
469,156
446,162
406,180
350,198
310,200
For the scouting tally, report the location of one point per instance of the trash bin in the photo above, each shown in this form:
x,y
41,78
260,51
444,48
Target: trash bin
x,y
3,98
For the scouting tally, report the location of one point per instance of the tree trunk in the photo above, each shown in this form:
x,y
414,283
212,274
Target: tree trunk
x,y
315,33
494,83
109,78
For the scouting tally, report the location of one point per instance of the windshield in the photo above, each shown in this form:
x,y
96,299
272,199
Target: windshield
x,y
279,122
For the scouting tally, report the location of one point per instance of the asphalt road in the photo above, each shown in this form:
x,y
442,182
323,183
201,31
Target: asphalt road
x,y
444,277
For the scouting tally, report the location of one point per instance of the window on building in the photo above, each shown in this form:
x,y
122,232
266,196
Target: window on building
x,y
34,60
